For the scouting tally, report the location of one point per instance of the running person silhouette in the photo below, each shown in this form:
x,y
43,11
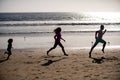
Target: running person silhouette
x,y
98,36
9,52
58,38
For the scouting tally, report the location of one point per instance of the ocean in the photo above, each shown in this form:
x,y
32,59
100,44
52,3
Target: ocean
x,y
35,30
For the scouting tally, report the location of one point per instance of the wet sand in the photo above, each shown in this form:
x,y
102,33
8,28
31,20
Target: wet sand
x,y
34,64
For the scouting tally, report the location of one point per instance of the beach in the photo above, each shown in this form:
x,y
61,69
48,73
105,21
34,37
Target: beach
x,y
33,34
34,64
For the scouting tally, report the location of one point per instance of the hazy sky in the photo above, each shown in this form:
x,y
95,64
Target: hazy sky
x,y
59,5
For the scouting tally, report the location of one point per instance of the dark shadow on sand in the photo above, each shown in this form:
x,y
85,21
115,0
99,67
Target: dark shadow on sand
x,y
98,60
1,61
51,61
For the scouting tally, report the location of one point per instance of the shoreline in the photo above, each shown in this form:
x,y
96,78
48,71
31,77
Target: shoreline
x,y
76,48
80,40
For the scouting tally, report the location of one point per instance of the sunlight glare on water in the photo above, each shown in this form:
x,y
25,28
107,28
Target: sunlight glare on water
x,y
105,16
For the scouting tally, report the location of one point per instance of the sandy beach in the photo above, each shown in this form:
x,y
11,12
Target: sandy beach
x,y
30,29
34,64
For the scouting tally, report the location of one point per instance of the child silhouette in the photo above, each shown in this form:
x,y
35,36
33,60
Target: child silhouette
x,y
57,38
9,48
98,36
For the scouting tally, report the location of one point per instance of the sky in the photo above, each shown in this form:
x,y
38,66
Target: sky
x,y
59,5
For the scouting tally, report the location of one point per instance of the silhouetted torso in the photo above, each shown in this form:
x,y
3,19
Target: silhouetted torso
x,y
9,46
58,37
99,34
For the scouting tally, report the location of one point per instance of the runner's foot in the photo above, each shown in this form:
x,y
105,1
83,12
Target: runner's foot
x,y
66,54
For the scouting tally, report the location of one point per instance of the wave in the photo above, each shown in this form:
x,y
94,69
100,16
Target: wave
x,y
43,27
49,32
39,23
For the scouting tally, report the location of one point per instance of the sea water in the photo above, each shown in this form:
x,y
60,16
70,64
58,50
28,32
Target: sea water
x,y
35,30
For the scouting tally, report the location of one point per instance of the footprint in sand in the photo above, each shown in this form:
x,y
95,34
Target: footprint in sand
x,y
105,77
118,64
36,77
28,62
87,76
15,69
30,56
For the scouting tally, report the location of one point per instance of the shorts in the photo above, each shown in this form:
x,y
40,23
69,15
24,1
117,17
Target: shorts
x,y
100,40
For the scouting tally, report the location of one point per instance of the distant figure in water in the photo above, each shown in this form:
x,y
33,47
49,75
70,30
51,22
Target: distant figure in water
x,y
58,38
98,36
9,48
